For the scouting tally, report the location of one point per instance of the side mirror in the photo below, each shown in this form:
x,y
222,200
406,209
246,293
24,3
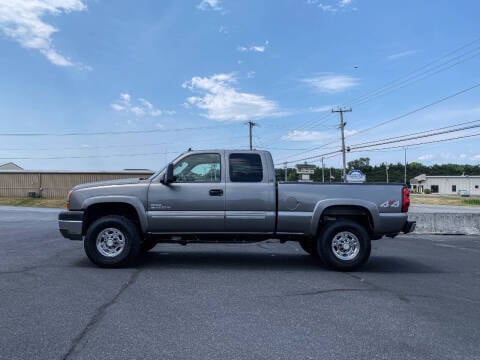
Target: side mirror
x,y
168,177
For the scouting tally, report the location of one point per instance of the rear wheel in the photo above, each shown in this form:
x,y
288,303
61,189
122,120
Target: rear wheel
x,y
112,241
148,245
344,245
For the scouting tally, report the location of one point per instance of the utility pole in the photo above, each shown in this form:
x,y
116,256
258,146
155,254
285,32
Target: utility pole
x,y
323,171
405,170
286,171
386,170
251,124
342,128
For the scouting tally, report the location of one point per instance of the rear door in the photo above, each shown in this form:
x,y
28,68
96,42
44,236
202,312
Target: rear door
x,y
195,202
250,194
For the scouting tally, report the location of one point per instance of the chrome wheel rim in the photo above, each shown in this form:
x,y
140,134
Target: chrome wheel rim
x,y
345,245
110,242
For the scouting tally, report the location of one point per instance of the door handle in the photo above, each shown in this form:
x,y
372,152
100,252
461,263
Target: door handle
x,y
216,192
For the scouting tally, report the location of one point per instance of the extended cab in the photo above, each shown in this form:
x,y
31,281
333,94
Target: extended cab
x,y
232,196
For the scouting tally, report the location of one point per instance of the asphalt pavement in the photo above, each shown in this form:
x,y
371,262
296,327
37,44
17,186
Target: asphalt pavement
x,y
417,298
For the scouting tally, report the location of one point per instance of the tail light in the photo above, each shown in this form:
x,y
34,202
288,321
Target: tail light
x,y
406,199
68,199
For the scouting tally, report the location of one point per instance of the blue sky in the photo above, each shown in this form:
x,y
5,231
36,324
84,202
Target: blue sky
x,y
164,76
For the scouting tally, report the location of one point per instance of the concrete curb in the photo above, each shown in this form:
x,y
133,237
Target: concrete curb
x,y
446,223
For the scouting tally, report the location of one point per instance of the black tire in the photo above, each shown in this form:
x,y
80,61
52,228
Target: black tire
x,y
121,228
356,237
148,245
309,246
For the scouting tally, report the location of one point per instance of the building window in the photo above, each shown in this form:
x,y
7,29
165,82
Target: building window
x,y
434,188
454,188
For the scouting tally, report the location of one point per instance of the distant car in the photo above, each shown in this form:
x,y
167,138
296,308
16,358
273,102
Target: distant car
x,y
463,193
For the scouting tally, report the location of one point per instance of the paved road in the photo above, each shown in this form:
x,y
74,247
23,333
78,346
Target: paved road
x,y
418,298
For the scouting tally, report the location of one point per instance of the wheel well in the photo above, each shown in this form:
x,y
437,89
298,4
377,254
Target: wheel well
x,y
96,211
350,212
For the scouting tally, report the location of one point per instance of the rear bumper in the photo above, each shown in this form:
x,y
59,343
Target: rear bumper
x,y
409,227
70,224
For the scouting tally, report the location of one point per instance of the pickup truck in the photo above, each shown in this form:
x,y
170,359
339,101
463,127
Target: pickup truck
x,y
232,196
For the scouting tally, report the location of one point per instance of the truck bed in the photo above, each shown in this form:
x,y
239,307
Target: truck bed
x,y
300,205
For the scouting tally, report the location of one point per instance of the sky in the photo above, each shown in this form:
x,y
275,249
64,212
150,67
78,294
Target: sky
x,y
111,85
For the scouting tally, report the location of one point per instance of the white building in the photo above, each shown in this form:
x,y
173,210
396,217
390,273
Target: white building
x,y
447,185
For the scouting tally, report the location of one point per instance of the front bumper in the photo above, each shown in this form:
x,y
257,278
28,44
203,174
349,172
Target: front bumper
x,y
70,224
409,227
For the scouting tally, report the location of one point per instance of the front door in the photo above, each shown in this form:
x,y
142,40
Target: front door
x,y
195,202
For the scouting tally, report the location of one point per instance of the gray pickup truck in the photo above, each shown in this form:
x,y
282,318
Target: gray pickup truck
x,y
232,196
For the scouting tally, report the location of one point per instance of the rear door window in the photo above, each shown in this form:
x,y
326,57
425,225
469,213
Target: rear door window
x,y
245,168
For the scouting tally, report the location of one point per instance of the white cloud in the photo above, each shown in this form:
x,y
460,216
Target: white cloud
x,y
331,83
314,136
21,20
350,132
254,48
140,109
318,109
401,54
425,157
223,30
343,3
222,101
306,135
210,5
331,6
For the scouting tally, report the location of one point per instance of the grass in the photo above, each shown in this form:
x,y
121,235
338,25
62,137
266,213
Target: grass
x,y
33,202
443,200
475,202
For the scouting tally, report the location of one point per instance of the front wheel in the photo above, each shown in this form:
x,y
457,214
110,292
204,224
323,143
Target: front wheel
x,y
309,246
112,241
344,245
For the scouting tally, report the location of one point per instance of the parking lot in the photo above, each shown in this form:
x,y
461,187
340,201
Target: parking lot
x,y
417,298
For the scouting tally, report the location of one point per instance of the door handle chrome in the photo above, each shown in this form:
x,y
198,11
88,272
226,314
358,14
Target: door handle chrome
x,y
216,192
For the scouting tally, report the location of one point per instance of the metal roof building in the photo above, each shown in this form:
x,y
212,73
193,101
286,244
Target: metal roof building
x,y
447,185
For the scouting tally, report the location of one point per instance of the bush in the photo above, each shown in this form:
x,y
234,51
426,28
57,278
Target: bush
x,y
427,191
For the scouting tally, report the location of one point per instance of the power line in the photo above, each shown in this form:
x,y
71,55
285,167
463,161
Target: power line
x,y
92,147
310,157
416,78
380,142
422,143
436,102
418,132
115,132
88,156
408,78
409,137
